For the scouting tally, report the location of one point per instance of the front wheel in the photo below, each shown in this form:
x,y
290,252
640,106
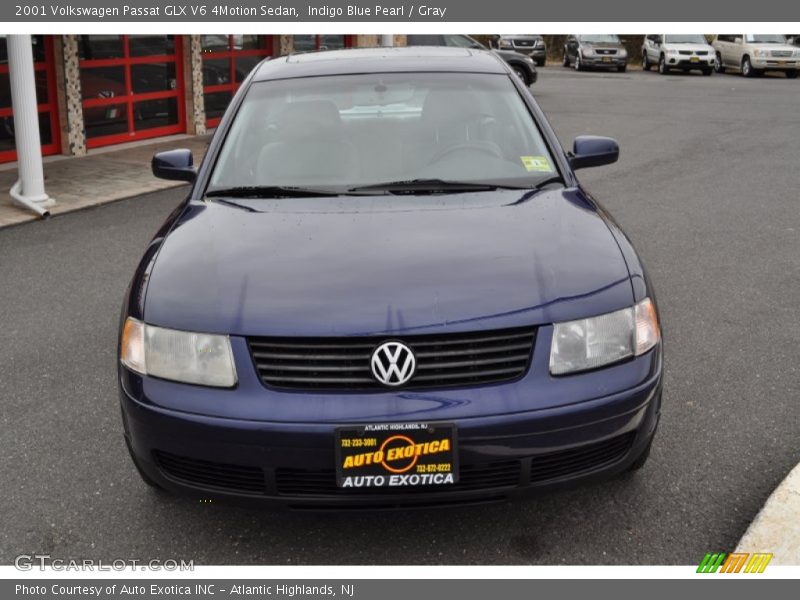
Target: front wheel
x,y
578,63
747,68
708,72
520,72
718,67
565,61
645,62
791,74
622,68
662,65
540,62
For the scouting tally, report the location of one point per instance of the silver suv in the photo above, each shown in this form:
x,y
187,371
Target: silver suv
x,y
753,54
683,51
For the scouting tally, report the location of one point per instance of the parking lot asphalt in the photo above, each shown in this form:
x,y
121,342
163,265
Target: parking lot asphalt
x,y
707,187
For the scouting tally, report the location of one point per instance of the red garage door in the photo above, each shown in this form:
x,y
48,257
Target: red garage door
x,y
45,98
227,59
132,87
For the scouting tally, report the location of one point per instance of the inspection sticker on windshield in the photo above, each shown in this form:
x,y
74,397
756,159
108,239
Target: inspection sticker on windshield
x,y
396,455
536,163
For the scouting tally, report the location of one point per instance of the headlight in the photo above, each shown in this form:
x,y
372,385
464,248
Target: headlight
x,y
759,52
199,358
797,52
590,343
623,52
587,51
504,44
671,51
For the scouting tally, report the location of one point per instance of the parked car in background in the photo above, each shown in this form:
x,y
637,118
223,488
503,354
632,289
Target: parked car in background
x,y
793,39
753,54
682,51
530,45
521,64
604,51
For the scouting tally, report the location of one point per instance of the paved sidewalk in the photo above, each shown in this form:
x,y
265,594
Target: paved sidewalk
x,y
776,529
102,176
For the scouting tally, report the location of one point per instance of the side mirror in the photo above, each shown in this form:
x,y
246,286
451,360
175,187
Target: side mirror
x,y
174,164
593,151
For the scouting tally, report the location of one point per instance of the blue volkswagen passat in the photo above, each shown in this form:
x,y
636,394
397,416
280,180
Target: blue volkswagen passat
x,y
387,288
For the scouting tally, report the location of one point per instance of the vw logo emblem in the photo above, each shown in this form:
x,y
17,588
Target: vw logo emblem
x,y
393,363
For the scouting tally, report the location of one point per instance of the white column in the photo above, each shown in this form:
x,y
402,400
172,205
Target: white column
x,y
387,40
29,188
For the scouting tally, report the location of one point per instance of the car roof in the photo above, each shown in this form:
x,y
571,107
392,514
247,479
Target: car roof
x,y
380,60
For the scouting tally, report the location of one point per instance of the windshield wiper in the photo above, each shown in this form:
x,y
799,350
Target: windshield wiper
x,y
271,191
423,186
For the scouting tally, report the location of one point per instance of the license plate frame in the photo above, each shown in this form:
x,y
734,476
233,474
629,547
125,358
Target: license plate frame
x,y
396,455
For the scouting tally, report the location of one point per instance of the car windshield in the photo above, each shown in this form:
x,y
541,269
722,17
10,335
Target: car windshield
x,y
346,131
686,38
599,39
765,38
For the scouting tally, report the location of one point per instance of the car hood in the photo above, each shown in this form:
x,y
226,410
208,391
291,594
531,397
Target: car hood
x,y
779,47
372,265
617,45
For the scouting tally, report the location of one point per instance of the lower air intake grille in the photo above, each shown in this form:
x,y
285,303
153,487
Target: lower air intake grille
x,y
442,360
204,473
584,458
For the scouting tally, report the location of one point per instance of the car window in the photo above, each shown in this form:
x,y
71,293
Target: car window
x,y
599,39
367,129
686,38
461,41
765,38
425,40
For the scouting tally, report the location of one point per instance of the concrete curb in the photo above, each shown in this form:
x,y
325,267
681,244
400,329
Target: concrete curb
x,y
776,528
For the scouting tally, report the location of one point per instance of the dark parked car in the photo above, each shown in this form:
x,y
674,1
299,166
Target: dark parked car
x,y
386,288
595,51
522,65
530,45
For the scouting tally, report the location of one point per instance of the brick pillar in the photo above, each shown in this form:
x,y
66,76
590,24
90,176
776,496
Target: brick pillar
x,y
73,108
193,85
367,41
286,45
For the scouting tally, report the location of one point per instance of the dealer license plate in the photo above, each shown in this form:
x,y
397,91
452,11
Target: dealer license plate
x,y
396,455
606,59
694,59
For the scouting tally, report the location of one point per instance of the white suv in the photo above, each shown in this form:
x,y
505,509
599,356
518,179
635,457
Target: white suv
x,y
684,51
753,54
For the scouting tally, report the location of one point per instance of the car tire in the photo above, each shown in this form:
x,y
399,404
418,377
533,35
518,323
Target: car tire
x,y
520,72
622,69
747,68
578,63
791,74
540,62
718,64
708,72
641,459
565,60
662,65
646,64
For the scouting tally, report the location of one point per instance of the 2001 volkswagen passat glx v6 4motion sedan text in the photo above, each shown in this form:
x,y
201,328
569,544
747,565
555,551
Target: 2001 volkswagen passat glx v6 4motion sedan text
x,y
387,288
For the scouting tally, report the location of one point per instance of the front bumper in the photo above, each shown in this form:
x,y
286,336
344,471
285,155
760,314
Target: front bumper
x,y
604,61
685,62
775,64
291,465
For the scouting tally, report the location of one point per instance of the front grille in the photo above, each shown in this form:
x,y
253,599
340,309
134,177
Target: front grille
x,y
297,482
584,458
702,53
605,51
443,360
781,53
685,52
523,43
205,473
